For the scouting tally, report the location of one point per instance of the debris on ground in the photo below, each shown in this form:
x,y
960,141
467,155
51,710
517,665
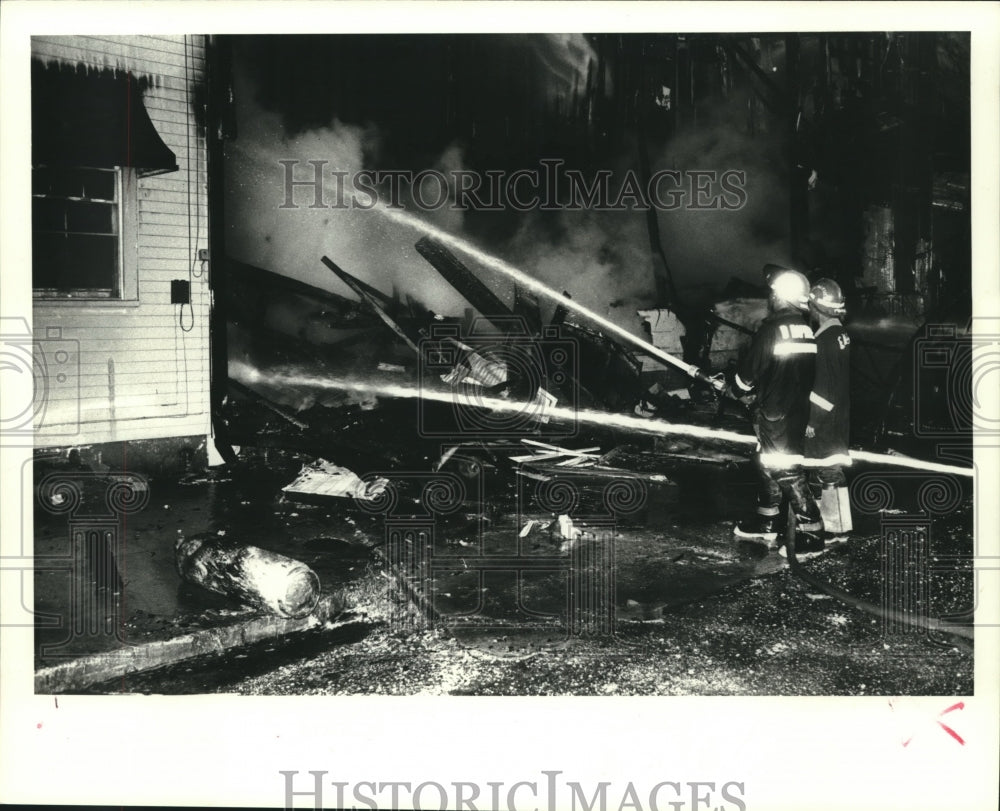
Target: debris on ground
x,y
278,584
322,479
543,452
566,528
475,369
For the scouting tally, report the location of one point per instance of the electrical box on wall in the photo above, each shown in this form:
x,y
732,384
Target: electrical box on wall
x,y
180,291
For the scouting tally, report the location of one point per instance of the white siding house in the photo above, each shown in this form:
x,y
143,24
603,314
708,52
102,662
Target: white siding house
x,y
122,362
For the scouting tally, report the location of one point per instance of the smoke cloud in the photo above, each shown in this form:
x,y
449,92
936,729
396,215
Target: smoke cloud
x,y
291,241
706,248
601,257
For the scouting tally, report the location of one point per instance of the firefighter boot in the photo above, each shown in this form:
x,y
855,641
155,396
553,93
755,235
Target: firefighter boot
x,y
759,528
809,533
808,545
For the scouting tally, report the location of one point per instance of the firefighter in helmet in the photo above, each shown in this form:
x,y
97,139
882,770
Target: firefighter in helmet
x,y
778,371
828,429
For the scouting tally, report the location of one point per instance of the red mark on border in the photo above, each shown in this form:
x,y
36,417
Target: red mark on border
x,y
957,706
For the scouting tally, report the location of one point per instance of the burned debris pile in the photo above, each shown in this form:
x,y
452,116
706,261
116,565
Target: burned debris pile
x,y
495,419
504,407
334,375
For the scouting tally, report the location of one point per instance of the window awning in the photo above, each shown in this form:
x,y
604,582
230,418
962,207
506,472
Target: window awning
x,y
95,119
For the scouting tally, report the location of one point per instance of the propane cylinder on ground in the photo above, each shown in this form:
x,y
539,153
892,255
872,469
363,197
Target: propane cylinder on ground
x,y
835,508
254,576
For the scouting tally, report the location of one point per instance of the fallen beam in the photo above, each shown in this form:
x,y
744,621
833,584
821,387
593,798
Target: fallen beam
x,y
466,283
82,672
246,391
542,289
369,295
269,282
526,308
355,283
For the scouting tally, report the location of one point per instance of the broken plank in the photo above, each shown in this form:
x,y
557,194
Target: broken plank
x,y
362,290
356,283
324,479
246,391
570,451
537,457
575,461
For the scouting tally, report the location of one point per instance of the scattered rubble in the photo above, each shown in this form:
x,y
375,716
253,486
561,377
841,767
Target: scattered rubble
x,y
322,479
543,452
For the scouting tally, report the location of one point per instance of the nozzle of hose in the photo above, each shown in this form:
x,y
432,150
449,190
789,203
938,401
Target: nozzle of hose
x,y
717,381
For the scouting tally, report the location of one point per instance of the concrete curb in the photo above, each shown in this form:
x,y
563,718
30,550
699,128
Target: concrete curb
x,y
87,670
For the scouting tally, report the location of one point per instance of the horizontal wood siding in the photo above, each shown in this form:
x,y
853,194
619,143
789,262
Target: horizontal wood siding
x,y
140,371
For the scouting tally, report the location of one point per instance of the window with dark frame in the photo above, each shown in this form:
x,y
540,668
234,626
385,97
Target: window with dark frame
x,y
76,232
91,139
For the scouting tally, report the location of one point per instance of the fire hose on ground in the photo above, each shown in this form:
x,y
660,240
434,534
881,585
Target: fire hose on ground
x,y
930,624
715,382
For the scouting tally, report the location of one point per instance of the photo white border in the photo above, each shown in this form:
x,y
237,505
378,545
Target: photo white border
x,y
793,753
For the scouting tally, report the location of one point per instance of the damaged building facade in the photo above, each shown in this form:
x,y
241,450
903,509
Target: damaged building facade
x,y
120,237
508,426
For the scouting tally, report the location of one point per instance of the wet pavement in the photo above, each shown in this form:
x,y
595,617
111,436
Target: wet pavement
x,y
479,590
144,599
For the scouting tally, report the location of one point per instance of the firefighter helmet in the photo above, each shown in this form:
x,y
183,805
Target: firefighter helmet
x,y
827,297
791,287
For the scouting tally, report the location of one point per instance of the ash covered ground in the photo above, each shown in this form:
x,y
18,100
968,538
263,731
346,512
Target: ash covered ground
x,y
480,550
686,610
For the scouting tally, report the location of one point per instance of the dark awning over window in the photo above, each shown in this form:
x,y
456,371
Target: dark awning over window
x,y
93,118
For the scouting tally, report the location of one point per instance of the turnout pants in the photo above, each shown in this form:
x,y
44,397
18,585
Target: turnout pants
x,y
779,478
832,476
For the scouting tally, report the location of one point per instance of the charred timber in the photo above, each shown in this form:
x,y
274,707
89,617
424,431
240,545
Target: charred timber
x,y
355,283
466,283
373,298
526,308
268,282
560,313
